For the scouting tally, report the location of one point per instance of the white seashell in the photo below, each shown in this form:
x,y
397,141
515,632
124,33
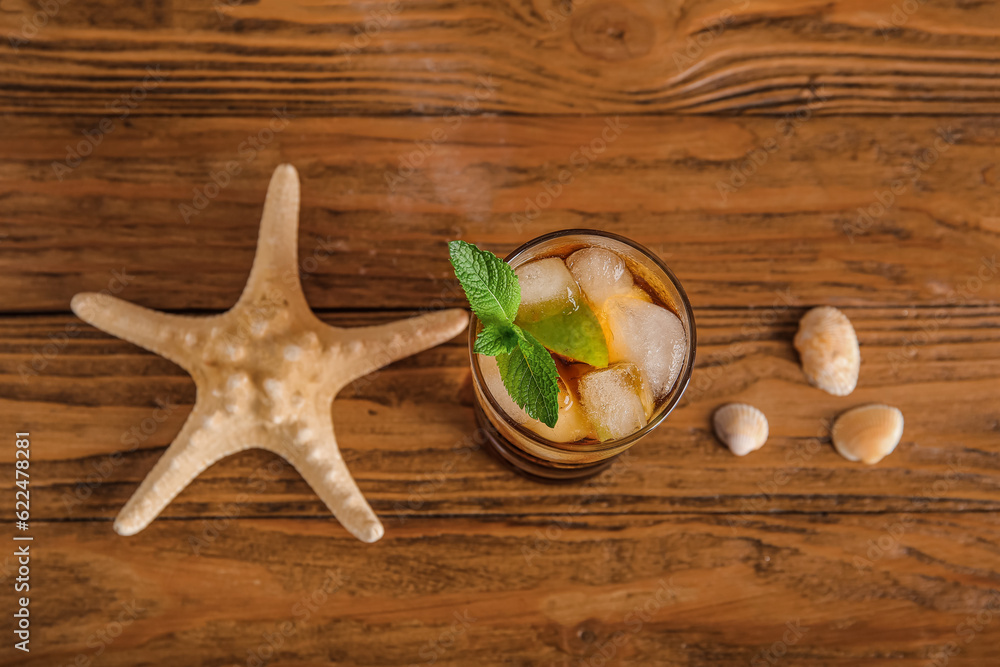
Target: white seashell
x,y
828,348
868,433
742,427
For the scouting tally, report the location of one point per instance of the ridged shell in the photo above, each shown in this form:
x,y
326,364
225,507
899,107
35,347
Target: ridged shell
x,y
868,433
828,348
742,427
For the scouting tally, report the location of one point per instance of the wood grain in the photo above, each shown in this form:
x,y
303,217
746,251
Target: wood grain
x,y
433,591
543,57
792,227
408,432
778,154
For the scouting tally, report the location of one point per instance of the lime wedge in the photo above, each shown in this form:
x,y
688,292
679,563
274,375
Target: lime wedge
x,y
575,334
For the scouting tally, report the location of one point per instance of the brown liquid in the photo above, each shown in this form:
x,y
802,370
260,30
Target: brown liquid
x,y
571,371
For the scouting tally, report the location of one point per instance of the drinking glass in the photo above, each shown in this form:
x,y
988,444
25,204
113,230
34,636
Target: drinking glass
x,y
542,459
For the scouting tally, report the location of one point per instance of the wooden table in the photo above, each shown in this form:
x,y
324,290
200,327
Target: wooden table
x,y
752,134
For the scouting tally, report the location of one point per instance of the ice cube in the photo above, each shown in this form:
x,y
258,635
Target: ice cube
x,y
638,293
572,424
600,273
553,311
616,400
649,336
547,289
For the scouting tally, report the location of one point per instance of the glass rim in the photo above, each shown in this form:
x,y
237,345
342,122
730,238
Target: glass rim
x,y
680,385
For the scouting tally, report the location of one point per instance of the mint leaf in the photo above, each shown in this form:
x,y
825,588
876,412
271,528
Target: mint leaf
x,y
489,283
531,379
496,339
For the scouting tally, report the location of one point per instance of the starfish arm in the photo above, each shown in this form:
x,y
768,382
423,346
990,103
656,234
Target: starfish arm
x,y
373,347
275,270
162,333
198,445
318,459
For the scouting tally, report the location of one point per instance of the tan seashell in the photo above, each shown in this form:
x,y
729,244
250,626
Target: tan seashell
x,y
868,433
742,427
828,348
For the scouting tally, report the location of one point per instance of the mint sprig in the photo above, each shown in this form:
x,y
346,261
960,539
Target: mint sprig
x,y
528,372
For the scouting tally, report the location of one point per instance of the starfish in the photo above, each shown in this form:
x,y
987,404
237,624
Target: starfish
x,y
266,372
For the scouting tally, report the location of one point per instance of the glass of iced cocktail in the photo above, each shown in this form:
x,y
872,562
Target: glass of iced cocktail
x,y
620,331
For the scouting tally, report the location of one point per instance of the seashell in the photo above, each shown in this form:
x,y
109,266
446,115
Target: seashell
x,y
828,348
742,427
868,433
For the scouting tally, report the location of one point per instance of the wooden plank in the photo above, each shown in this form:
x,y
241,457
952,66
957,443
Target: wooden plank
x,y
792,227
631,56
96,407
538,590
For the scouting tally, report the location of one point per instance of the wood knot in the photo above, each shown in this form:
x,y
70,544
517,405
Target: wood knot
x,y
611,32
